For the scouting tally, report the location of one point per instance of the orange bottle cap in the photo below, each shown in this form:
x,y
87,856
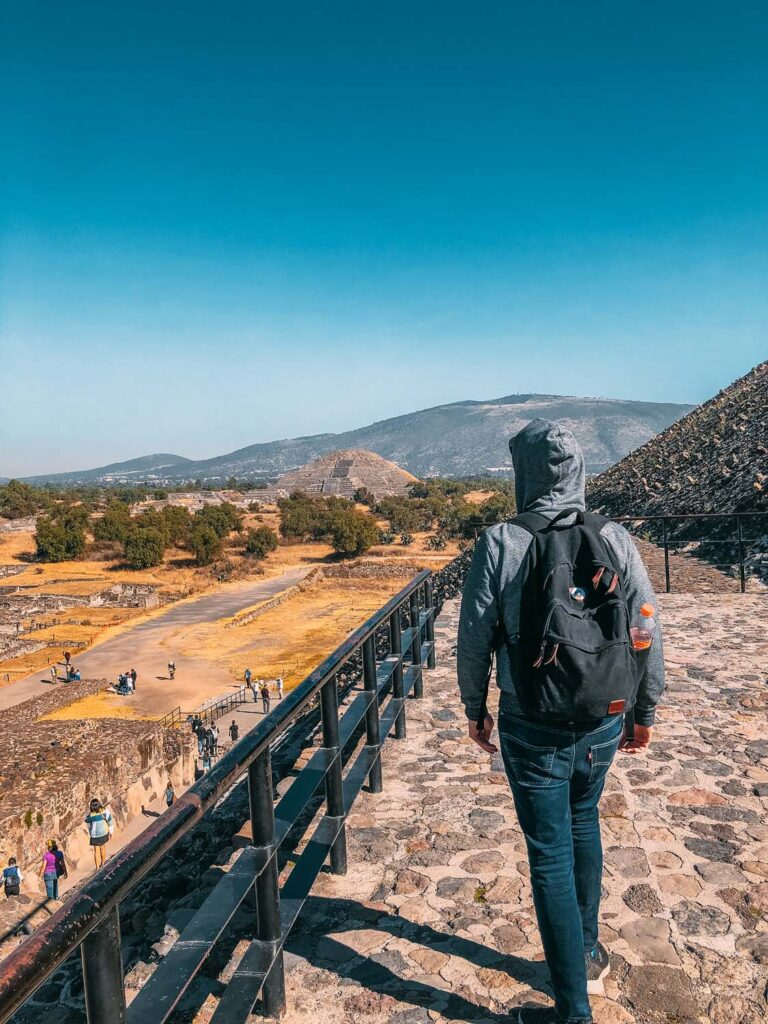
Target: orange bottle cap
x,y
648,610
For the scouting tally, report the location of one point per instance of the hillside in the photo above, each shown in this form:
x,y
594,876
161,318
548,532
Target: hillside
x,y
460,439
715,459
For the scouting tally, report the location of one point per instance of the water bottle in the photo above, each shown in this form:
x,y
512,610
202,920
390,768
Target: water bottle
x,y
643,628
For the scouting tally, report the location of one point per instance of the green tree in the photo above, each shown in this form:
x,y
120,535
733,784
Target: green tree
x,y
222,519
205,543
144,548
115,524
61,537
178,523
352,533
260,541
18,499
498,508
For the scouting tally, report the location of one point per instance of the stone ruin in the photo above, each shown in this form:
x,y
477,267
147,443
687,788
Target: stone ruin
x,y
51,769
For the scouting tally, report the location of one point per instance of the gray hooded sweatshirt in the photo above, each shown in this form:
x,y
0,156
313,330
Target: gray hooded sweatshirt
x,y
549,476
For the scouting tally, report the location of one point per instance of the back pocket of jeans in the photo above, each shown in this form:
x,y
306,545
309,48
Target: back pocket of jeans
x,y
526,764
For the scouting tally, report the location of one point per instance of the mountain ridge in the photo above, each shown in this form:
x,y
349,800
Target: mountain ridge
x,y
466,438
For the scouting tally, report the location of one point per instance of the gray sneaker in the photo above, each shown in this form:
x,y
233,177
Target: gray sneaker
x,y
598,968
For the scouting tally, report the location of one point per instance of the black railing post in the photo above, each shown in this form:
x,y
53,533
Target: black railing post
x,y
372,714
418,682
742,573
267,891
334,794
396,650
103,972
666,555
429,604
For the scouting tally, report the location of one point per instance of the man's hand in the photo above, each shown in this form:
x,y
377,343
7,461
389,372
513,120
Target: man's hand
x,y
638,743
482,737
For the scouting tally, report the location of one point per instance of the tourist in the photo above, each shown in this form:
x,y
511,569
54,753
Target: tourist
x,y
206,759
67,658
12,878
52,868
214,739
133,675
170,794
234,731
549,745
201,731
196,721
248,678
54,674
279,682
101,828
266,697
210,742
171,669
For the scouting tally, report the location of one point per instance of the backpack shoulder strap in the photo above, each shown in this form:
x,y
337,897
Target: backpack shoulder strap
x,y
532,522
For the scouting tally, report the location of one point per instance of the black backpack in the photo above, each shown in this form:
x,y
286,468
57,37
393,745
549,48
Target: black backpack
x,y
573,658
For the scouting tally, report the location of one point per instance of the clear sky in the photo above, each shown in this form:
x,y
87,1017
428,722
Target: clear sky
x,y
227,222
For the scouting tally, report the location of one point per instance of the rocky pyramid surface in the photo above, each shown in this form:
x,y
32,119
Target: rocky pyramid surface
x,y
715,459
342,473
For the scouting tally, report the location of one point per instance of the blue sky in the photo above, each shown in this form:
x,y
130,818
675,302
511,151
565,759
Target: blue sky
x,y
226,223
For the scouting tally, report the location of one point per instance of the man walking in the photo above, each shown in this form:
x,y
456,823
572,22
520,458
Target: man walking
x,y
266,697
552,594
234,731
279,683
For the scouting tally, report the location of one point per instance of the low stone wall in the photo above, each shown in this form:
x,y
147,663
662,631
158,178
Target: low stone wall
x,y
51,769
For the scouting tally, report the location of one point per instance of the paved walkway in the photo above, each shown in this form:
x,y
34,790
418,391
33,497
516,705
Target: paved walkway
x,y
434,921
148,647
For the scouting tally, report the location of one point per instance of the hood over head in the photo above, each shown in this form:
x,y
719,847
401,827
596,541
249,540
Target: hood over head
x,y
549,467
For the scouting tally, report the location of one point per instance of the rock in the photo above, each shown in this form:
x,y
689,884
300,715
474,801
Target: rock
x,y
504,890
627,862
410,882
696,798
665,859
680,885
754,944
642,899
606,1011
694,919
713,849
138,975
661,990
614,805
719,874
458,888
649,937
485,822
731,1009
507,938
485,863
361,940
430,960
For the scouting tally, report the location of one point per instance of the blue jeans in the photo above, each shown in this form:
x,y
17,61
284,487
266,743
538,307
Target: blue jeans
x,y
557,773
51,886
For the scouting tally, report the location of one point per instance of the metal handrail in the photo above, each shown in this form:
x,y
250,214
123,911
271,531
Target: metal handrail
x,y
90,920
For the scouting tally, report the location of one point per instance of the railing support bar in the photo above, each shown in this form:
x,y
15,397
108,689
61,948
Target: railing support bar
x,y
742,572
334,794
429,603
267,891
372,714
418,685
103,972
666,556
396,649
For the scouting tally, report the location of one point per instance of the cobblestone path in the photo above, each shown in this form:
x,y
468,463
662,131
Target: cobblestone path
x,y
434,921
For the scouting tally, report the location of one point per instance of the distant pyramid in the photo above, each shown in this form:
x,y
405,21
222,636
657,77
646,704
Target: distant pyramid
x,y
342,473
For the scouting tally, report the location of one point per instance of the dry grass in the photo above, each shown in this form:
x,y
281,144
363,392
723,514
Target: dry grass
x,y
291,639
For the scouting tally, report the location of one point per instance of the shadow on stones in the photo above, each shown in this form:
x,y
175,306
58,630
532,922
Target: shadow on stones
x,y
377,972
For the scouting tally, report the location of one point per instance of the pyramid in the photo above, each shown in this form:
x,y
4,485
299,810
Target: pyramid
x,y
715,459
342,473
